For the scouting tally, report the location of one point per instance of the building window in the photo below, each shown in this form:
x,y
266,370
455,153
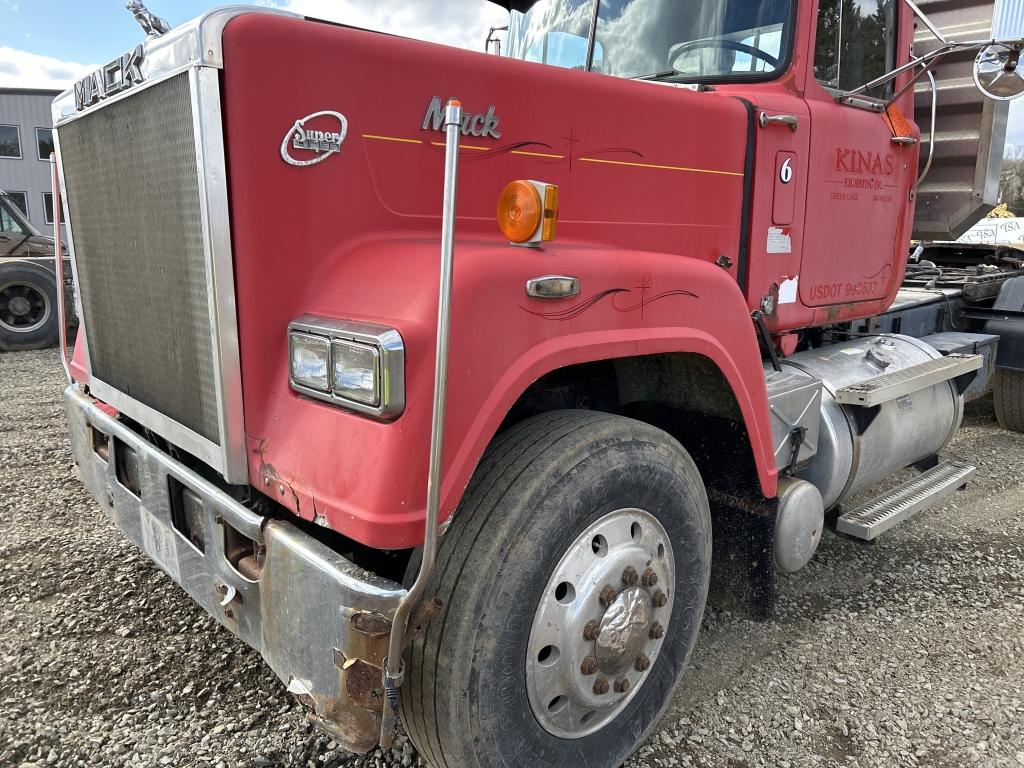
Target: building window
x,y
20,199
48,209
10,142
44,141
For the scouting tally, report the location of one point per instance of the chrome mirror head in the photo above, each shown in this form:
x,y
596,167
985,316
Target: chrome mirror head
x,y
997,72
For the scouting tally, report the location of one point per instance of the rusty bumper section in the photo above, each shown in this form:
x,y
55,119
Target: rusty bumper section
x,y
320,622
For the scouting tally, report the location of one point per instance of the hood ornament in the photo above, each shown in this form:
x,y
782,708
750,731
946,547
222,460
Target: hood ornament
x,y
152,25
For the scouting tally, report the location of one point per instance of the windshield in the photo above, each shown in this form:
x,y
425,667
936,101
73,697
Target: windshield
x,y
9,222
719,40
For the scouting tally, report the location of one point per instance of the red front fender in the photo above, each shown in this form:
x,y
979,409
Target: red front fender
x,y
367,479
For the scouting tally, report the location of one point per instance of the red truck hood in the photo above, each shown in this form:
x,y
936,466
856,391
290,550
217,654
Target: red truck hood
x,y
352,235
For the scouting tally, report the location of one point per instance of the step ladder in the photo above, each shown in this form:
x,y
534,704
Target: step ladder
x,y
889,386
893,507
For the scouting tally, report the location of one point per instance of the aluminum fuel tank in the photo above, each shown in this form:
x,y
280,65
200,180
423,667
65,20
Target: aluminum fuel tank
x,y
906,430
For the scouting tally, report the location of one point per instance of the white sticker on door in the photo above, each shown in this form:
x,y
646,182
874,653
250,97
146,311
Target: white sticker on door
x,y
787,290
779,240
158,541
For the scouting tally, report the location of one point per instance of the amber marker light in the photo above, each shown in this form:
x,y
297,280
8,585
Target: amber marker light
x,y
547,232
528,212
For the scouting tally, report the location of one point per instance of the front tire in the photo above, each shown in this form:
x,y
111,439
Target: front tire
x,y
609,494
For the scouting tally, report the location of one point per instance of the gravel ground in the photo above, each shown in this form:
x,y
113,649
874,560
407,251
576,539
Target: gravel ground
x,y
906,653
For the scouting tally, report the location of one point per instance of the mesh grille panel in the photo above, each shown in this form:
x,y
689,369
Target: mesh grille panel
x,y
133,188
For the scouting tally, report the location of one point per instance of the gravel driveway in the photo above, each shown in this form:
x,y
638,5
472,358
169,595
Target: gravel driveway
x,y
906,653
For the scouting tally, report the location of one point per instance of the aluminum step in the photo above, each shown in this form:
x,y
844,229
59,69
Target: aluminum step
x,y
889,386
893,507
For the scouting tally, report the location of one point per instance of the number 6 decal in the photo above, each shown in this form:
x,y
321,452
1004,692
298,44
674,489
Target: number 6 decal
x,y
786,171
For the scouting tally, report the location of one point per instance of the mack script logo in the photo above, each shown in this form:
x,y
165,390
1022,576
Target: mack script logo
x,y
119,75
483,124
322,143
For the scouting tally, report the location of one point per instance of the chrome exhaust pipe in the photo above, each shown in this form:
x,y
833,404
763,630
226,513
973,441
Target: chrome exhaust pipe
x,y
394,667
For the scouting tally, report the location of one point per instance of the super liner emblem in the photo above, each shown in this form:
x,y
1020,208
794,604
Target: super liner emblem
x,y
322,143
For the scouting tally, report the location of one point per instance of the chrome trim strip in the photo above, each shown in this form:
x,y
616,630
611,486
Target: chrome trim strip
x,y
392,362
178,434
195,43
215,213
58,267
82,331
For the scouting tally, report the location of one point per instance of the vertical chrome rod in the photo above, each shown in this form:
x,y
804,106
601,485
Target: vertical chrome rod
x,y
58,270
931,134
394,672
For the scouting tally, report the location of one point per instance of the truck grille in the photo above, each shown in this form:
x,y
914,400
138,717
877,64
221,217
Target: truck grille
x,y
133,188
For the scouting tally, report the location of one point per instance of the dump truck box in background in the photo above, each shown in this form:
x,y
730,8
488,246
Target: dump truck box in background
x,y
962,184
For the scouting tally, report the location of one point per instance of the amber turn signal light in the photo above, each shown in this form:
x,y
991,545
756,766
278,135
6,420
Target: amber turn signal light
x,y
528,212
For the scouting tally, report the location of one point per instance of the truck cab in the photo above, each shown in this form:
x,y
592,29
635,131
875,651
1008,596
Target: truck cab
x,y
17,235
555,338
828,209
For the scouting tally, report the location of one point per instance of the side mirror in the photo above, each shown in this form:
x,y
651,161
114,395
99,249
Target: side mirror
x,y
997,73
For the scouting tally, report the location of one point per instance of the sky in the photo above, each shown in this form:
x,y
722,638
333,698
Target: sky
x,y
50,43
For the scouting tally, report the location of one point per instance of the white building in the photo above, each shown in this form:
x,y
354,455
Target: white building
x,y
25,144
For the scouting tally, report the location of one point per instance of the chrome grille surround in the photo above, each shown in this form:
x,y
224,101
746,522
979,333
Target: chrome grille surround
x,y
131,174
183,65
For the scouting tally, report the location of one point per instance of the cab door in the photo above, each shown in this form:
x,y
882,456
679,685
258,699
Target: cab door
x,y
781,131
854,247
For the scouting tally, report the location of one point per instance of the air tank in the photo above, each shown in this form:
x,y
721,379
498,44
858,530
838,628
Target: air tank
x,y
851,457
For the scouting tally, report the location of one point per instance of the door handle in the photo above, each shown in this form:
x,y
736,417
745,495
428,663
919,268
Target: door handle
x,y
791,120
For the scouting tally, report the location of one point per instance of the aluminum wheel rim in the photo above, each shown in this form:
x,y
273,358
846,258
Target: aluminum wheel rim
x,y
23,307
600,624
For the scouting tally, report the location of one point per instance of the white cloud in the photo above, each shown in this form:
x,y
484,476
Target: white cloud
x,y
21,69
463,23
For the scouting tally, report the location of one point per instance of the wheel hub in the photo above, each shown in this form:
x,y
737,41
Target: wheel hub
x,y
625,630
23,307
600,623
20,306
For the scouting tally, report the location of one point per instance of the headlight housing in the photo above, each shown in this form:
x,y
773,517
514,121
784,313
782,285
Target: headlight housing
x,y
359,366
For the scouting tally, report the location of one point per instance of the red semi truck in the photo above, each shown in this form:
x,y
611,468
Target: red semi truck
x,y
676,329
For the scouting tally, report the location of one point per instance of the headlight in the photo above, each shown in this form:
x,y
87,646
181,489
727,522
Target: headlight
x,y
360,366
356,374
310,361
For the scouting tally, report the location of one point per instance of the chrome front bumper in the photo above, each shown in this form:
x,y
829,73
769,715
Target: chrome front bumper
x,y
320,622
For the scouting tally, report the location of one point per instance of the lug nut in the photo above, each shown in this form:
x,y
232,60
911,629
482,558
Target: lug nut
x,y
630,577
601,686
589,666
591,631
657,631
642,663
660,599
622,685
650,578
608,595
